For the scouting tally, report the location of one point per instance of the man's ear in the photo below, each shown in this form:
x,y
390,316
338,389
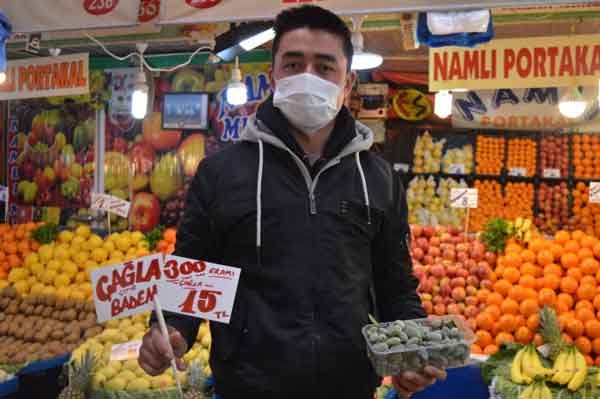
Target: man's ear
x,y
350,82
271,80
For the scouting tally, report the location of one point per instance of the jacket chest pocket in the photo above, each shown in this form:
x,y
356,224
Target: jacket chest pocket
x,y
366,220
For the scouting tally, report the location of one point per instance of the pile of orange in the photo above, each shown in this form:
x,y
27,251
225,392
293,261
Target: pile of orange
x,y
518,200
586,215
563,273
489,204
15,245
522,154
489,155
586,156
167,244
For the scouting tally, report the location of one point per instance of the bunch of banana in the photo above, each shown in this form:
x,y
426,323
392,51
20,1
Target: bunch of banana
x,y
537,390
570,369
526,366
521,229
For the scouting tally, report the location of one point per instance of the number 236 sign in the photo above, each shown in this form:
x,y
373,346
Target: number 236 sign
x,y
198,289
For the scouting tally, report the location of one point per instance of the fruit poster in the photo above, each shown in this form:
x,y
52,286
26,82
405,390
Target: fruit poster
x,y
152,167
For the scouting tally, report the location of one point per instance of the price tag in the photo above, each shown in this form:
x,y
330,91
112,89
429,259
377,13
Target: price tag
x,y
463,198
99,202
456,169
198,289
3,194
594,192
517,172
551,173
401,167
109,203
128,350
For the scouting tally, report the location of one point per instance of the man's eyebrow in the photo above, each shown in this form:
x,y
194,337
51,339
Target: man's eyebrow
x,y
319,56
293,54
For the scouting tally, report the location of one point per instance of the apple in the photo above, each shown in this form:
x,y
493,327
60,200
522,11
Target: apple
x,y
428,306
453,309
439,309
428,231
457,282
459,294
416,230
141,157
472,300
145,212
418,254
437,271
472,291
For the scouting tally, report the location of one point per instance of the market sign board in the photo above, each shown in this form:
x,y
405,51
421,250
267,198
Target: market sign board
x,y
557,61
66,75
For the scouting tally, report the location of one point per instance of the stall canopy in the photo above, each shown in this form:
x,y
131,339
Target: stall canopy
x,y
197,11
45,16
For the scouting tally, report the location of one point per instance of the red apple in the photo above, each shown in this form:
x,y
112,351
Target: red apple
x,y
472,300
418,254
452,309
416,230
428,260
434,242
437,271
428,306
471,311
473,281
459,294
437,300
486,284
439,309
472,291
422,243
145,212
428,231
457,282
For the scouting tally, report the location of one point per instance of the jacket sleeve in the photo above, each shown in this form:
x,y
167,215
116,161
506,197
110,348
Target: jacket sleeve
x,y
395,284
196,239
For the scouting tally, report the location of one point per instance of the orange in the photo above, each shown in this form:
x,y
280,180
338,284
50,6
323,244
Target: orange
x,y
506,323
592,328
551,281
576,273
512,247
561,308
517,293
523,335
553,269
476,349
493,311
529,307
557,251
513,260
484,338
528,256
482,295
588,360
547,296
538,340
583,303
597,302
511,274
170,235
588,280
528,281
596,346
585,314
585,253
537,244
545,257
529,269
572,246
504,337
510,306
569,260
10,248
494,299
587,292
584,345
577,235
596,250
14,261
502,287
531,294
575,328
485,321
569,285
561,237
533,322
490,350
589,266
588,242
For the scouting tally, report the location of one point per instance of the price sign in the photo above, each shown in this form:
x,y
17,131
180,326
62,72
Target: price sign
x,y
109,203
198,289
148,10
127,288
456,168
401,167
99,7
128,350
551,173
99,201
463,198
594,192
517,172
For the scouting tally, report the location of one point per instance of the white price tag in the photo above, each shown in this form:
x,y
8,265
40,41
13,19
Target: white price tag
x,y
463,198
198,289
551,173
456,169
100,201
109,203
401,167
594,192
3,194
517,172
128,350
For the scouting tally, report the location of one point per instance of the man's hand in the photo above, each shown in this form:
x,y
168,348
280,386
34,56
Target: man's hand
x,y
408,382
155,354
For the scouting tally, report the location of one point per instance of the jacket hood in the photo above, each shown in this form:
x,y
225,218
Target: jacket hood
x,y
256,131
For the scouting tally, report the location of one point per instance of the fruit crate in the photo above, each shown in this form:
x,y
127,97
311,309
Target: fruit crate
x,y
439,341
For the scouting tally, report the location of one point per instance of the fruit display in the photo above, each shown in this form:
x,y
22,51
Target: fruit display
x,y
412,345
586,156
554,154
41,327
451,269
427,154
16,244
563,273
586,215
518,200
521,157
63,267
430,205
490,155
553,207
489,205
458,160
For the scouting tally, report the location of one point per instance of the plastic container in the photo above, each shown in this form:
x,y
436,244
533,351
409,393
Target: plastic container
x,y
416,356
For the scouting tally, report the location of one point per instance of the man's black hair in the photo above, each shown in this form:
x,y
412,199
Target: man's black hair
x,y
313,18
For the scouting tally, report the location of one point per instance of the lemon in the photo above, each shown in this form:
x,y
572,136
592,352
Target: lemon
x,y
86,289
117,254
77,295
17,274
138,384
78,240
130,364
37,289
137,236
53,265
95,242
81,257
83,231
126,234
63,292
114,236
31,260
109,372
143,244
142,252
81,277
99,254
115,384
65,236
49,290
22,287
70,269
109,246
90,265
62,253
127,375
62,280
31,280
131,252
123,243
46,252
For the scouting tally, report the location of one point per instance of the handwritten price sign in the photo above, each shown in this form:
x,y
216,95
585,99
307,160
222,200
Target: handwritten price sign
x,y
595,192
109,203
198,289
463,198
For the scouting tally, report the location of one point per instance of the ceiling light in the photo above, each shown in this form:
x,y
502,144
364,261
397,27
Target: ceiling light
x,y
258,40
443,104
363,60
572,104
2,77
139,98
236,92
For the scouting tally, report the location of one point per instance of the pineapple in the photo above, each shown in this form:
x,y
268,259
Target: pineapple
x,y
79,378
550,331
196,382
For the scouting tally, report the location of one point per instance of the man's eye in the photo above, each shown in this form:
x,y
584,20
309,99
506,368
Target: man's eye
x,y
291,65
326,68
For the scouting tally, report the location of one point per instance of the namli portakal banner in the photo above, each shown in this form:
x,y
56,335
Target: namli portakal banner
x,y
557,61
66,75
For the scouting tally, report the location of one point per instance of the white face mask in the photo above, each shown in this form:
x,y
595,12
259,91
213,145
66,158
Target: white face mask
x,y
307,101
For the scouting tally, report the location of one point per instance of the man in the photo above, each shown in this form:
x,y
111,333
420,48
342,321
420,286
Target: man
x,y
316,223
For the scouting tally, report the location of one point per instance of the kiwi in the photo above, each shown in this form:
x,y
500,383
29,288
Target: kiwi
x,y
50,300
4,303
56,314
47,312
57,334
70,315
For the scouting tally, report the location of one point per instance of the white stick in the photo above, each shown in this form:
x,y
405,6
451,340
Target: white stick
x,y
165,333
108,221
6,206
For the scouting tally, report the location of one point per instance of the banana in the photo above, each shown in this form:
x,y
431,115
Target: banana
x,y
560,367
527,392
516,369
526,225
545,392
519,222
536,364
566,373
581,374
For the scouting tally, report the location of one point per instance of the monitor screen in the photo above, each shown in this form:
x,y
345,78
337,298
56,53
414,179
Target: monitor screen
x,y
185,111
